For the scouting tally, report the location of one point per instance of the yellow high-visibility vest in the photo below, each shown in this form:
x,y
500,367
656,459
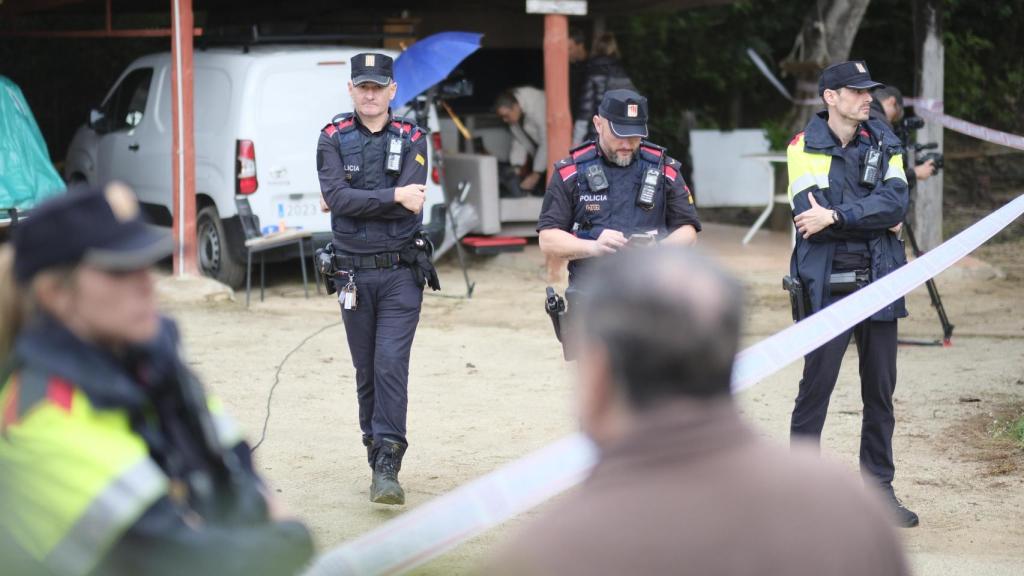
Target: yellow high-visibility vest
x,y
73,478
810,169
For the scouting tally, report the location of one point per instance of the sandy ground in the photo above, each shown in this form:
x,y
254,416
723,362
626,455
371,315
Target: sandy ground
x,y
488,385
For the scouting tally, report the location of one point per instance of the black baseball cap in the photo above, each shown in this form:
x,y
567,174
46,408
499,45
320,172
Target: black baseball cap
x,y
104,228
626,112
372,67
852,74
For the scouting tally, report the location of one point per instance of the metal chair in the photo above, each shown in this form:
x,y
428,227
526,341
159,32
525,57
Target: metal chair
x,y
257,243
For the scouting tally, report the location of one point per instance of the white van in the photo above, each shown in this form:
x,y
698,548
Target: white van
x,y
258,114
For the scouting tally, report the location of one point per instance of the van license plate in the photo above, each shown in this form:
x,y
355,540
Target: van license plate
x,y
297,209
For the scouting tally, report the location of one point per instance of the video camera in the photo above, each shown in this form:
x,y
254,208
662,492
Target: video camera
x,y
906,126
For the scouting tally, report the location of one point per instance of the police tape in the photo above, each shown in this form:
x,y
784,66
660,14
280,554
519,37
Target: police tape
x,y
932,110
445,522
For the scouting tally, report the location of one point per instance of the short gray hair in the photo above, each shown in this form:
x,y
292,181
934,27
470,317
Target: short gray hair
x,y
669,317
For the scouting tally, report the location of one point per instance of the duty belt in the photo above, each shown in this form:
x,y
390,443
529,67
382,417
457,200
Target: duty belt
x,y
848,281
357,261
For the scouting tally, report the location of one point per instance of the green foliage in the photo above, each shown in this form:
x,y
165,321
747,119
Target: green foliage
x,y
696,60
984,44
1017,430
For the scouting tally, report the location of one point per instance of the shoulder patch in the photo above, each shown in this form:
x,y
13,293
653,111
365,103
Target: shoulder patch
x,y
654,151
583,151
567,172
60,392
799,136
330,130
670,172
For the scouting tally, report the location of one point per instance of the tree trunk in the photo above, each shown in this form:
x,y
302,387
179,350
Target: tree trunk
x,y
826,38
926,205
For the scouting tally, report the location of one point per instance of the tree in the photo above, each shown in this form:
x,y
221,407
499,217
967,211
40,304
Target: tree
x,y
826,37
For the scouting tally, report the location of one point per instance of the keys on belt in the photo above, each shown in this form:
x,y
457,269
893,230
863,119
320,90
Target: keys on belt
x,y
357,261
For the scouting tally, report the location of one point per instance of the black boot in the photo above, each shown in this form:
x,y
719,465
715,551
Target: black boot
x,y
368,442
385,489
903,516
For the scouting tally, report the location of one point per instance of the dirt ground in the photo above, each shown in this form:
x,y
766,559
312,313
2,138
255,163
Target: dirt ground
x,y
488,385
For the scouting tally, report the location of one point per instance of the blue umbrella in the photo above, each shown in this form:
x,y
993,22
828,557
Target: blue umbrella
x,y
430,61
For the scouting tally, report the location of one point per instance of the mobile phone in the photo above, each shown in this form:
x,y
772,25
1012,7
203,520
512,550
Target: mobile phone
x,y
642,239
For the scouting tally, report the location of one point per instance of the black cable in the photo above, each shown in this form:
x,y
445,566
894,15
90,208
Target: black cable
x,y
277,380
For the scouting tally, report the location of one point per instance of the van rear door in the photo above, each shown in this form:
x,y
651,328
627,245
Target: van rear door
x,y
297,95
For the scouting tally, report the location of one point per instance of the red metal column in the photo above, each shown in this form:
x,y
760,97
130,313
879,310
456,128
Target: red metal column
x,y
183,180
556,89
556,85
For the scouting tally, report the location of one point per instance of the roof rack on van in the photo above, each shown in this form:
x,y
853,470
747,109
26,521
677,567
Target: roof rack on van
x,y
245,39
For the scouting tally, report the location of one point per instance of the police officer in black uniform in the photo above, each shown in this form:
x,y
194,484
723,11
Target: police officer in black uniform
x,y
617,191
848,189
373,171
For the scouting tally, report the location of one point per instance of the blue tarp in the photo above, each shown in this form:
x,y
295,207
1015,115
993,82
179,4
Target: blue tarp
x,y
27,176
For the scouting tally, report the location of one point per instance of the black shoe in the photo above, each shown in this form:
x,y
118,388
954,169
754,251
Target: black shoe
x,y
385,489
370,452
904,517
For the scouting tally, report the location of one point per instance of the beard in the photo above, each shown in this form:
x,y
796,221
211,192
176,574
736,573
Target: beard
x,y
615,158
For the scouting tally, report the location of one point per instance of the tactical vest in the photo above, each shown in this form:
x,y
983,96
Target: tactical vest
x,y
616,209
372,172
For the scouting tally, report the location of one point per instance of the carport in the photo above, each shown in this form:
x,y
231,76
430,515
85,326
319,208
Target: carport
x,y
391,23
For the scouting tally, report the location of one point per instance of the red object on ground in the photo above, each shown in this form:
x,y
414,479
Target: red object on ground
x,y
484,245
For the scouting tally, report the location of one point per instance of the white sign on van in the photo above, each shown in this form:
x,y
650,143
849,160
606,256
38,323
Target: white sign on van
x,y
569,7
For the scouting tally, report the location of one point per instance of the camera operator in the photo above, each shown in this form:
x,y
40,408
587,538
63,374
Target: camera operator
x,y
887,106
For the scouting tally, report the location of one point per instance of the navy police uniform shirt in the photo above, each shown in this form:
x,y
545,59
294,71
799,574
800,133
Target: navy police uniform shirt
x,y
560,198
365,218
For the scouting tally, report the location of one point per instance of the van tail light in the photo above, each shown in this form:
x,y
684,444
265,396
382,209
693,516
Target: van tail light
x,y
245,182
435,172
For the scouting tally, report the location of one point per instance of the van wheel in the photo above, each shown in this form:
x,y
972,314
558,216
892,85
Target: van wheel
x,y
215,258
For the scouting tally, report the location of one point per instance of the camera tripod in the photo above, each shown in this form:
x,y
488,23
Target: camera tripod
x,y
933,293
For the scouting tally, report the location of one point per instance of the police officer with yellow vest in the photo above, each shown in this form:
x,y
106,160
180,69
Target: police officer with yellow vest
x,y
373,171
617,191
849,196
112,458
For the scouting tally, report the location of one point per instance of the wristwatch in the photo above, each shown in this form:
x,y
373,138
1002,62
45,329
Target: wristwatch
x,y
835,217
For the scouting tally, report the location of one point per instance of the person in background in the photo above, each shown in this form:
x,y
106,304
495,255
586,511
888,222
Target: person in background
x,y
523,109
577,64
603,72
113,460
887,106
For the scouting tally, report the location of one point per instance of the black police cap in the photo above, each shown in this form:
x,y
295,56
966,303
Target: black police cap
x,y
853,74
100,227
626,112
372,67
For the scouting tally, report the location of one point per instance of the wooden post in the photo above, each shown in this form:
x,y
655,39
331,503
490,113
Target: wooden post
x,y
183,179
556,89
926,206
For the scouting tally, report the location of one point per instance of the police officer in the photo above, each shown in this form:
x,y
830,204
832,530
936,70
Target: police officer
x,y
373,171
112,458
887,106
849,195
617,191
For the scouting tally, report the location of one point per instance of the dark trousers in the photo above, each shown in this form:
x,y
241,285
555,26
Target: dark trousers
x,y
876,349
380,332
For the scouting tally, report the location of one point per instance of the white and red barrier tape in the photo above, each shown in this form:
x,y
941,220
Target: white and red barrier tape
x,y
445,522
929,109
932,111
